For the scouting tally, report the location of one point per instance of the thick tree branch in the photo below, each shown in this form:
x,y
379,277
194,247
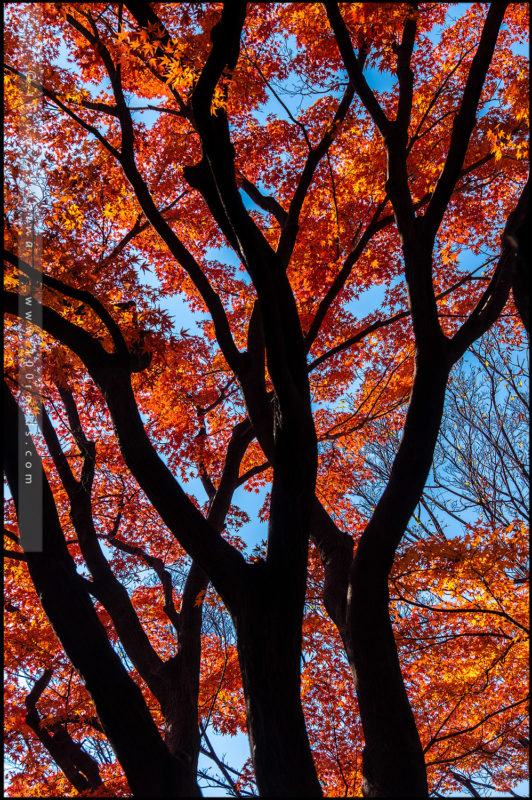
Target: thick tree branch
x,y
13,554
86,448
79,341
106,587
404,72
216,174
465,120
494,298
82,295
126,158
77,765
222,562
354,68
118,701
266,202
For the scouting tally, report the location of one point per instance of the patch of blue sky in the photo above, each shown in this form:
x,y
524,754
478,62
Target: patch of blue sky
x,y
180,312
233,751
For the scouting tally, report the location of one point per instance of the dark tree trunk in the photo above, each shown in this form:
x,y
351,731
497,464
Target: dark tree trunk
x,y
269,649
518,234
180,711
393,762
179,703
127,723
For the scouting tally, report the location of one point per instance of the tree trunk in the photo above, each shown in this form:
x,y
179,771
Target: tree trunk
x,y
393,761
126,720
269,649
179,703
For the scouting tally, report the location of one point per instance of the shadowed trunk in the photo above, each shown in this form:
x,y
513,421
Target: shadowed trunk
x,y
269,650
126,720
517,233
179,704
393,762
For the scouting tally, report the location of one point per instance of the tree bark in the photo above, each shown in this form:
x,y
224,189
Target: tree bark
x,y
269,650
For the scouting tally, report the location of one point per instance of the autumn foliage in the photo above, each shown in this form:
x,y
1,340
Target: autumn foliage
x,y
283,280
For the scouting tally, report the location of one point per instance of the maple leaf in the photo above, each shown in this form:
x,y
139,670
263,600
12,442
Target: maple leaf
x,y
199,598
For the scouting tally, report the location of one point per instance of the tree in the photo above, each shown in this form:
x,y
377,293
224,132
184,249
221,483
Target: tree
x,y
356,188
464,556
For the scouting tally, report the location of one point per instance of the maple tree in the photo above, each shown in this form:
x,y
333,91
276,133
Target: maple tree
x,y
267,189
478,486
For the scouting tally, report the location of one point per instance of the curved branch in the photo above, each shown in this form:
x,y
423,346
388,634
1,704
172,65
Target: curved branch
x,y
77,765
127,160
105,586
354,68
494,298
118,700
465,120
78,294
404,71
85,346
266,202
157,564
222,562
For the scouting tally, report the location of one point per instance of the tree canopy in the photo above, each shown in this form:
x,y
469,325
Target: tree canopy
x,y
331,201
